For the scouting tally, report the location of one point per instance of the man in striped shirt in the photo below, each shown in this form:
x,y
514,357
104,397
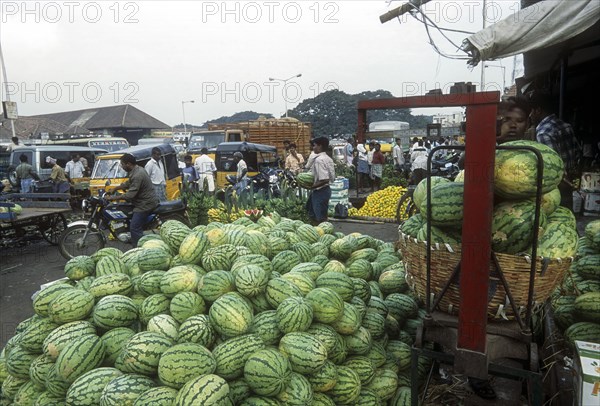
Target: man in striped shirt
x,y
558,135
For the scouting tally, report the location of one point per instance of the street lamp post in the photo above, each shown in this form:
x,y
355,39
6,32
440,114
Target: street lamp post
x,y
284,83
503,74
183,111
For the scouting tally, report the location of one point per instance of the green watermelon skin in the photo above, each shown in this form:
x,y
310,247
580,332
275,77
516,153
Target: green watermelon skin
x,y
183,362
347,388
79,357
512,226
446,205
559,240
587,307
592,232
46,295
306,353
55,341
563,215
515,171
87,389
267,372
230,315
114,341
294,314
142,352
420,192
71,305
160,396
231,355
412,225
114,311
197,329
125,389
205,390
589,267
583,331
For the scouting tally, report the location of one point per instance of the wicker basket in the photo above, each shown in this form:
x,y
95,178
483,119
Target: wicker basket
x,y
516,271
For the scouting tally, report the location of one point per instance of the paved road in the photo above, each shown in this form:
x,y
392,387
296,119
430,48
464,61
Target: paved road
x,y
23,270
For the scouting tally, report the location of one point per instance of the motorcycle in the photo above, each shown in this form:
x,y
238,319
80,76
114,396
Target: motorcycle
x,y
447,166
267,180
84,237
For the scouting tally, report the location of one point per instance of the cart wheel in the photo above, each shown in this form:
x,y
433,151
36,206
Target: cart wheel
x,y
403,213
56,224
72,244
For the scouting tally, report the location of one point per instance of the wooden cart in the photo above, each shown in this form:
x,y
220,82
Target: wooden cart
x,y
42,215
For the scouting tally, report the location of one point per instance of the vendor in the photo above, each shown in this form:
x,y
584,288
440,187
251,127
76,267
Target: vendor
x,y
58,177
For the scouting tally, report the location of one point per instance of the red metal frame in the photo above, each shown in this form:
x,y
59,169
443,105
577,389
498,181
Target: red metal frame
x,y
478,201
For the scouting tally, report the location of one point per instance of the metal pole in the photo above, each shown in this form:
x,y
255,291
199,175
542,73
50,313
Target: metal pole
x,y
482,62
183,110
285,97
12,122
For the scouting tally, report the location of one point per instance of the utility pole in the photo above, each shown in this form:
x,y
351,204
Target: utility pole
x,y
5,77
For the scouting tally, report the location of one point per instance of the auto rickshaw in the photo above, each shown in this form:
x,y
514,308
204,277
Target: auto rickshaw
x,y
256,157
107,167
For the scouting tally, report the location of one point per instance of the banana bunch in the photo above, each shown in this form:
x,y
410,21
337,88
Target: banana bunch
x,y
380,204
221,215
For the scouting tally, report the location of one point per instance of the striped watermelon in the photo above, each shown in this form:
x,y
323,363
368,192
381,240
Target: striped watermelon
x,y
111,284
334,266
374,323
193,246
587,307
258,243
251,280
166,325
550,201
368,398
588,267
110,264
401,352
297,392
393,281
279,289
360,268
149,282
38,370
401,306
311,269
173,232
325,334
277,244
515,171
186,304
267,372
230,315
19,361
349,322
80,356
219,258
592,233
114,311
340,283
384,383
512,226
11,386
46,398
304,251
420,192
125,389
71,305
80,267
105,252
215,284
160,396
359,342
254,259
308,233
153,305
583,331
64,334
284,261
446,205
55,385
142,353
303,281
306,353
46,295
181,278
197,329
342,248
324,378
412,225
231,355
204,390
327,239
294,314
327,305
27,394
377,354
402,397
321,399
558,241
154,259
347,388
34,335
216,237
363,367
266,327
114,341
183,362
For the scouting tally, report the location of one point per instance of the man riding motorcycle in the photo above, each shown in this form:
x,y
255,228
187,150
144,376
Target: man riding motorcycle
x,y
140,192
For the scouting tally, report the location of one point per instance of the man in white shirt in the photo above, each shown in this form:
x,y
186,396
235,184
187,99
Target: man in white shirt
x,y
205,168
156,171
74,168
398,155
242,170
323,170
418,159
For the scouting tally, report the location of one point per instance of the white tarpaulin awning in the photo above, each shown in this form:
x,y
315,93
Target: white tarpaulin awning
x,y
543,24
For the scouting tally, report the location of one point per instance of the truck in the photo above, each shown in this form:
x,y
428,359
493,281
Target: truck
x,y
385,133
268,132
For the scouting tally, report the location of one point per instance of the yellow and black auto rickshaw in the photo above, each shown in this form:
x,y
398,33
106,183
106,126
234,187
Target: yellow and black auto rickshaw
x,y
107,167
256,157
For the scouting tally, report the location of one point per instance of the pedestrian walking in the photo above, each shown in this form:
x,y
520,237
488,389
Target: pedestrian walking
x,y
156,171
58,177
377,167
25,174
205,169
323,171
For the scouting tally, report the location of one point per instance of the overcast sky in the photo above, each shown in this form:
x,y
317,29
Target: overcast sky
x,y
69,55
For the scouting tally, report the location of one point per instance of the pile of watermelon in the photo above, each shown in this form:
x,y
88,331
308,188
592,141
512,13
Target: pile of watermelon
x,y
272,312
576,303
514,209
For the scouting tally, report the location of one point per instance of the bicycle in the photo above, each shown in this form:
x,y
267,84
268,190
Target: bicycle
x,y
406,206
